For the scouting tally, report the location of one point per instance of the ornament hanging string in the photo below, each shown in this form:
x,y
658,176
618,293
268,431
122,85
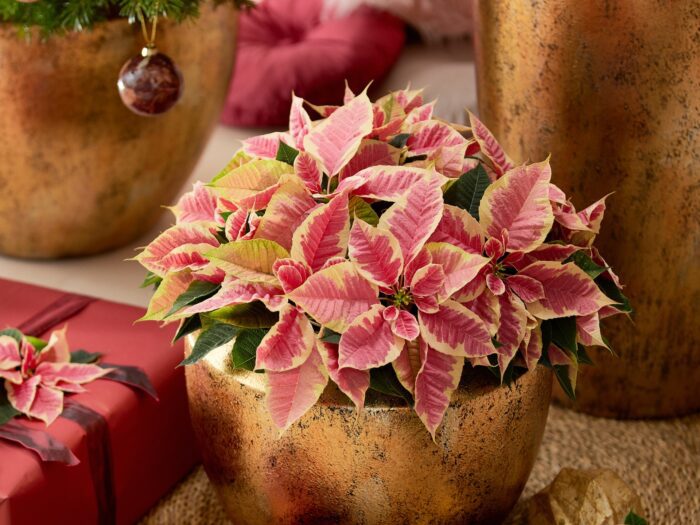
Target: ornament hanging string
x,y
150,39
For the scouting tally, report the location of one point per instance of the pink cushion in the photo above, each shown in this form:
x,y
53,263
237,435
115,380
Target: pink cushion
x,y
286,45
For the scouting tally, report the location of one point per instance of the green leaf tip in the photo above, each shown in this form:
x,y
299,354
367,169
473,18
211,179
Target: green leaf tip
x,y
245,347
634,519
467,191
213,337
286,153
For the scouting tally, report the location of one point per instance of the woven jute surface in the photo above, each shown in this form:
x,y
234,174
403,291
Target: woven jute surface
x,y
659,459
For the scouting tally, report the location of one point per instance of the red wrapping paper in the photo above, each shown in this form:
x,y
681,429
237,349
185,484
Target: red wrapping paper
x,y
152,444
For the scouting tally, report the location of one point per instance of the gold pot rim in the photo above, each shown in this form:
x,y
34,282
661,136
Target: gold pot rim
x,y
475,382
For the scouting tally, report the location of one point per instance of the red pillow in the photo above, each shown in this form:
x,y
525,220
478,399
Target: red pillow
x,y
286,45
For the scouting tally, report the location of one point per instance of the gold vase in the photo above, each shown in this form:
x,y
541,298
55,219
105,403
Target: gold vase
x,y
612,90
80,173
379,466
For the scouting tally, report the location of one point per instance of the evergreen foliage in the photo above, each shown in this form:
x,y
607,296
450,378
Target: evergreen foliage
x,y
58,16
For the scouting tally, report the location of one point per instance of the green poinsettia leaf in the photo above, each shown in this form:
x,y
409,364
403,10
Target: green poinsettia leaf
x,y
467,191
196,292
245,347
329,336
84,357
546,330
286,153
360,209
250,315
210,338
563,332
584,261
634,519
151,279
38,344
332,185
609,288
399,141
7,411
512,373
13,333
561,372
607,343
384,380
583,356
187,326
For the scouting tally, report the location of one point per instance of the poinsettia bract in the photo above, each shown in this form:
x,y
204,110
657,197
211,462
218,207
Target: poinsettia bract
x,y
381,243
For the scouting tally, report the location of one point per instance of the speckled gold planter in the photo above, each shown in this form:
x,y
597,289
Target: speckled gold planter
x,y
612,90
80,173
380,466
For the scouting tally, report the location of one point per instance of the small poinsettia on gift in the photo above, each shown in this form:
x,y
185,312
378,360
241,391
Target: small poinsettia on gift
x,y
380,247
36,373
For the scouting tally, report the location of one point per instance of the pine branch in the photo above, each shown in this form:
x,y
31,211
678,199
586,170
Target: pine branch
x,y
57,16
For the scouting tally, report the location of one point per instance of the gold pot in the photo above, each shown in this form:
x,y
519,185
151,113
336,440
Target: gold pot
x,y
612,90
80,173
379,466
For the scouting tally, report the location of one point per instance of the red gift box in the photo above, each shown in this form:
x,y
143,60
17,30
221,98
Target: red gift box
x,y
147,445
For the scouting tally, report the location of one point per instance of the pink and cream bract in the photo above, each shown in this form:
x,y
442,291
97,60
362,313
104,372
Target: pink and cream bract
x,y
36,379
381,247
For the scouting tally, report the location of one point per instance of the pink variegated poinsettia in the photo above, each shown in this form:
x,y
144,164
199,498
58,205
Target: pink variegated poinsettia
x,y
380,242
36,377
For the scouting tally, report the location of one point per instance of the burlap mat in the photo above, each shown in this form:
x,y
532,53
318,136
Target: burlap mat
x,y
659,459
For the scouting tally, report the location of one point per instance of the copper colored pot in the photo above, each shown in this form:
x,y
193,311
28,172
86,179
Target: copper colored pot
x,y
80,173
380,466
612,90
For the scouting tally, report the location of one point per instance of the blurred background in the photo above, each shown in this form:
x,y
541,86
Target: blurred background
x,y
311,48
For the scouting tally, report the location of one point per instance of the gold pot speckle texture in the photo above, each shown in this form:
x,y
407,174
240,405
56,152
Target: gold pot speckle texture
x,y
80,173
379,466
612,90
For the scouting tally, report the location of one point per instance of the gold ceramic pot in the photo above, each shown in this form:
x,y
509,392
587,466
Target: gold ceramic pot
x,y
379,466
80,173
612,90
